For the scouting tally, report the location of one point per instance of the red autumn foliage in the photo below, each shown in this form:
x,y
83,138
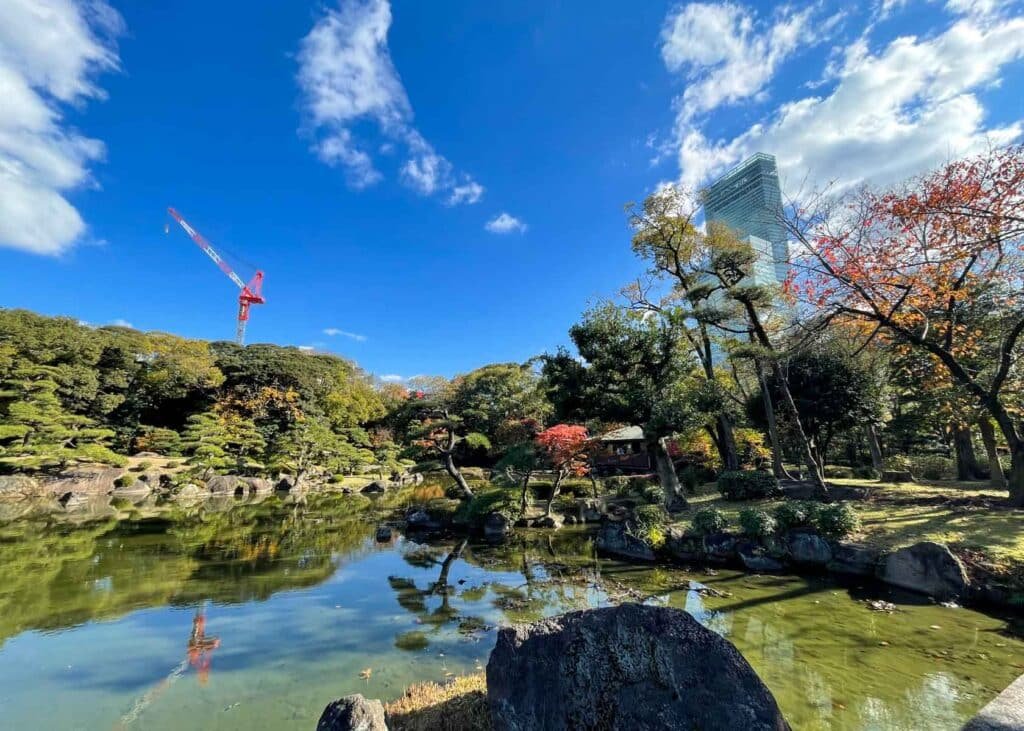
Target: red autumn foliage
x,y
566,446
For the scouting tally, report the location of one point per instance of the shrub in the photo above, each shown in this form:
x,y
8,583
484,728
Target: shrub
x,y
649,523
653,494
708,520
795,514
897,463
865,472
932,467
747,485
757,523
690,479
837,521
834,471
125,480
751,448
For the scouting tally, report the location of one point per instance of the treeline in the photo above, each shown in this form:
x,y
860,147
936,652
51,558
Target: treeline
x,y
74,393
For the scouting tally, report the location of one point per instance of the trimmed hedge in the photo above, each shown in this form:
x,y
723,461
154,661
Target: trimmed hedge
x,y
708,520
748,485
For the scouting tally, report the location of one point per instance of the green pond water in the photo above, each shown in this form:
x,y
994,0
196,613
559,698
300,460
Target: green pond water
x,y
255,616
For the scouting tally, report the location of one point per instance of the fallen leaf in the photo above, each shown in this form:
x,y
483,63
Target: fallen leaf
x,y
365,674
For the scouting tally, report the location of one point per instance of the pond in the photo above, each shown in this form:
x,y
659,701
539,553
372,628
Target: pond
x,y
255,616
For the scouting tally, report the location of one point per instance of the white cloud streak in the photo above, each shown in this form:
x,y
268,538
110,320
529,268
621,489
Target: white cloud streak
x,y
347,77
505,224
336,332
51,52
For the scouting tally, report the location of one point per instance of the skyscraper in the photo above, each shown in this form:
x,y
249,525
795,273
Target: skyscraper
x,y
749,200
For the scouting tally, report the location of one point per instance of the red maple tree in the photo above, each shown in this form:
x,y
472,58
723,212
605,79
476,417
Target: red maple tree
x,y
566,448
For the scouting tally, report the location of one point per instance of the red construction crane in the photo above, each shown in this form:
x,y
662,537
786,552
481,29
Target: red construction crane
x,y
252,293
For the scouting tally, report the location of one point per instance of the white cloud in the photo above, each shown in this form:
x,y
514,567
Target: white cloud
x,y
392,378
306,348
723,53
347,77
505,224
120,322
890,113
335,332
51,52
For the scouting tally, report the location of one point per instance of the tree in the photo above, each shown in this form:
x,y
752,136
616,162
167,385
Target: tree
x,y
308,447
439,431
36,432
634,371
666,236
497,394
565,447
924,263
217,441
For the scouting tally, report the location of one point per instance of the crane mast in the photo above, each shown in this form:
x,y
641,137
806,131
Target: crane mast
x,y
252,292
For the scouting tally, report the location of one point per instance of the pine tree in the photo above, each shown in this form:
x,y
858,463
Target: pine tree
x,y
36,432
218,442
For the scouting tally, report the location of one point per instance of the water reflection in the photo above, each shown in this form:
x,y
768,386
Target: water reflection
x,y
296,600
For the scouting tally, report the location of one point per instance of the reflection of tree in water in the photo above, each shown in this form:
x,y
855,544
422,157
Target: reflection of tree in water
x,y
55,574
418,602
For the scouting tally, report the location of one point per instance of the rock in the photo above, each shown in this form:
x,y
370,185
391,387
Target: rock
x,y
85,480
548,521
190,493
720,547
755,558
225,485
896,476
149,455
630,667
257,485
377,486
1005,712
927,567
20,487
684,547
77,501
613,540
284,484
134,493
353,713
383,534
590,511
496,525
808,548
849,558
676,505
418,519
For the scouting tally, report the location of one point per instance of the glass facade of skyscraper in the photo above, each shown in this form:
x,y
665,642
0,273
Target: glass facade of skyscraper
x,y
749,200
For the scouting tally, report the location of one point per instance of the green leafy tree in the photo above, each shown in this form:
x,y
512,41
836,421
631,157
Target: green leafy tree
x,y
307,448
634,370
37,432
217,442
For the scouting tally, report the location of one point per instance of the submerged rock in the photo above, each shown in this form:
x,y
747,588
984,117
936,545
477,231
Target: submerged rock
x,y
353,713
377,486
548,521
756,558
419,519
684,546
627,667
614,540
496,525
808,548
224,485
720,547
849,558
926,567
383,534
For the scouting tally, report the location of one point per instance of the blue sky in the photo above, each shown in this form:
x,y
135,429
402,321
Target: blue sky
x,y
433,186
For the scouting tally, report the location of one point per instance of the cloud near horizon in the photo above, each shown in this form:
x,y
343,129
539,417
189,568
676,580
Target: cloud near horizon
x,y
51,52
878,111
336,332
347,78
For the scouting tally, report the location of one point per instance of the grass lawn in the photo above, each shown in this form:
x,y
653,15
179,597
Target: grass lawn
x,y
965,515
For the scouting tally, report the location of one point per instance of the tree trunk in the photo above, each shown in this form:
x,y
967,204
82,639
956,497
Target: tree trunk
x,y
526,485
1015,481
666,473
967,467
778,468
875,447
727,443
995,467
555,487
806,446
453,471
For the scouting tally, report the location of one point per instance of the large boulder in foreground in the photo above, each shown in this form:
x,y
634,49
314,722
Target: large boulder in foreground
x,y
353,713
627,667
926,567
